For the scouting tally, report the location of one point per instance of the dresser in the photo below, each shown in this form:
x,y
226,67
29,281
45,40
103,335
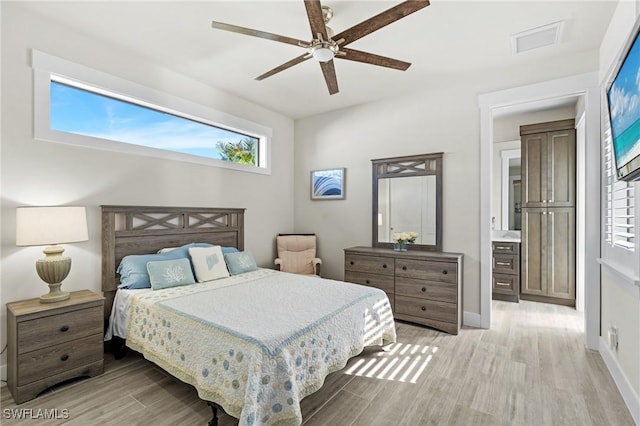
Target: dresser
x,y
506,271
52,342
423,287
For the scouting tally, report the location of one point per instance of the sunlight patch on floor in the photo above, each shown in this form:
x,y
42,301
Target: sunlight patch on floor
x,y
403,362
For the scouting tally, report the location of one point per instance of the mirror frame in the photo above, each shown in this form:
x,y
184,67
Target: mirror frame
x,y
407,166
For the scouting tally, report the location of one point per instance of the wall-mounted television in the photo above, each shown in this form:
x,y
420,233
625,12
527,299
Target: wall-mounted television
x,y
623,99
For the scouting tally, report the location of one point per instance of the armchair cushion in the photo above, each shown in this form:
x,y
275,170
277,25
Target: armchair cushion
x,y
297,254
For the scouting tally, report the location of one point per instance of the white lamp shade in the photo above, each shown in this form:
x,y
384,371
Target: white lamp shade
x,y
38,226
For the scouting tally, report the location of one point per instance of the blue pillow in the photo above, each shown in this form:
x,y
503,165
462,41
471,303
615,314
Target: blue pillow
x,y
226,250
170,273
240,261
133,268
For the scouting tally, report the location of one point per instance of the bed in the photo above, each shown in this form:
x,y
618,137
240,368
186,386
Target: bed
x,y
255,343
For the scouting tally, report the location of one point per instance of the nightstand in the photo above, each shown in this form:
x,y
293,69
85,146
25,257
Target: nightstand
x,y
52,342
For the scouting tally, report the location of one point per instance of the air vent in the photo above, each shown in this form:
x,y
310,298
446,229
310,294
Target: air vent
x,y
535,38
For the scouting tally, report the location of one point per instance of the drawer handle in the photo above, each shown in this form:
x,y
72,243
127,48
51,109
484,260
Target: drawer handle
x,y
64,357
404,268
502,248
368,282
384,265
504,263
503,284
445,272
351,263
64,328
424,308
424,289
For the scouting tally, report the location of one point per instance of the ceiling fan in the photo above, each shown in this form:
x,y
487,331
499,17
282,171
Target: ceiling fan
x,y
325,46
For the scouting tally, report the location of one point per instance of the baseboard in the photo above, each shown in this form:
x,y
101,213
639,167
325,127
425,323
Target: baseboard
x,y
626,390
471,319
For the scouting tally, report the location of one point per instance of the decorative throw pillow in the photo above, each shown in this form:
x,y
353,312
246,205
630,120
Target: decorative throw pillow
x,y
208,262
133,268
170,273
240,262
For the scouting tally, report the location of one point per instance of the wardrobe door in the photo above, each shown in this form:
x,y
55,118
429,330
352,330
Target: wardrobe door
x,y
534,170
533,270
561,243
561,169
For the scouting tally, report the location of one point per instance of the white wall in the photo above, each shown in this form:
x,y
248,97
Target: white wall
x,y
441,116
44,173
620,305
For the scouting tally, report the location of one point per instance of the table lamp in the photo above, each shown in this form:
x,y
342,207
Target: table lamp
x,y
50,226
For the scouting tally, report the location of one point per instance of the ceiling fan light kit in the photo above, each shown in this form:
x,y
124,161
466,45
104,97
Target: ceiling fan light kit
x,y
325,46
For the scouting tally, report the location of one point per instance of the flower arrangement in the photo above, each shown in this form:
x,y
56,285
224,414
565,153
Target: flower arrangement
x,y
401,239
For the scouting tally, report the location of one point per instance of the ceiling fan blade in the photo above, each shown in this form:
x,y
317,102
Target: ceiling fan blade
x,y
329,71
316,20
381,20
284,66
256,33
370,58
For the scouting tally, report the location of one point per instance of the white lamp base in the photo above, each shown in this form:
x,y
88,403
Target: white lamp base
x,y
53,269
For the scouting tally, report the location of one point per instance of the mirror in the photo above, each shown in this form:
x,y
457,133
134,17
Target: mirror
x,y
407,197
511,199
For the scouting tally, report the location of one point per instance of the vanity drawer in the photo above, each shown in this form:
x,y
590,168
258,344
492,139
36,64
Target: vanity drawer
x,y
423,308
445,292
506,284
57,359
427,270
383,282
506,248
506,264
43,332
371,264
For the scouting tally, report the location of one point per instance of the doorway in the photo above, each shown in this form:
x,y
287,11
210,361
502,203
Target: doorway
x,y
526,98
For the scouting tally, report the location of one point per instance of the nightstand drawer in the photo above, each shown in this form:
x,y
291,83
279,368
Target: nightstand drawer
x,y
383,282
433,271
507,284
371,264
50,361
432,309
445,292
506,248
46,331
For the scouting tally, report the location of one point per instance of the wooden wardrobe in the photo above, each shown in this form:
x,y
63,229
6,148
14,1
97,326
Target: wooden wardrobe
x,y
548,212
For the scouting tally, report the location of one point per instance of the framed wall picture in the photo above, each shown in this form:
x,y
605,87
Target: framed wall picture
x,y
328,184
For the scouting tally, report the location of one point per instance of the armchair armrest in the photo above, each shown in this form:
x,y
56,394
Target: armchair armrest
x,y
278,263
316,266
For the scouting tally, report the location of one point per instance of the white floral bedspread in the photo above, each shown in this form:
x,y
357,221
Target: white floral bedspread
x,y
259,342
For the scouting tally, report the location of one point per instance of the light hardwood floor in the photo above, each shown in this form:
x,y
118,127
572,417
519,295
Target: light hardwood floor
x,y
530,368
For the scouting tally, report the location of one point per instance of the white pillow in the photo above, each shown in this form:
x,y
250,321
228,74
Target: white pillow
x,y
208,262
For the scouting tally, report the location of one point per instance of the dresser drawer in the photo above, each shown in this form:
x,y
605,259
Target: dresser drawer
x,y
371,264
423,308
434,290
506,264
506,248
427,270
46,331
46,362
383,282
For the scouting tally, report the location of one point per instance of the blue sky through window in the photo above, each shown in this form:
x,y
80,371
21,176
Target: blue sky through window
x,y
80,111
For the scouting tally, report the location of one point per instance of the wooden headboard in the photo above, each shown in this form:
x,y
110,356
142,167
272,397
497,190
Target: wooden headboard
x,y
142,229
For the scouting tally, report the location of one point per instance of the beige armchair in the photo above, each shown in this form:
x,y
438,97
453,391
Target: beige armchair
x,y
297,254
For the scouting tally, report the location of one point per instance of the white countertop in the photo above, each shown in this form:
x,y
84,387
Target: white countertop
x,y
505,236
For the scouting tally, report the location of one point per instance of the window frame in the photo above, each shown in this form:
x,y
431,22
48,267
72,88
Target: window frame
x,y
47,68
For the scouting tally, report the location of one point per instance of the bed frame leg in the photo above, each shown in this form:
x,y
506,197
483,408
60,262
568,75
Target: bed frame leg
x,y
214,409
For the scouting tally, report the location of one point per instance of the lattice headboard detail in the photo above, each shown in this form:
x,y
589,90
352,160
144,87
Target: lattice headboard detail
x,y
142,229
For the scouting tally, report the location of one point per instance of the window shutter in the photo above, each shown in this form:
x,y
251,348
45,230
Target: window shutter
x,y
620,210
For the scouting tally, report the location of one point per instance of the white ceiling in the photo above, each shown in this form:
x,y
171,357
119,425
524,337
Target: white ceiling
x,y
447,38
